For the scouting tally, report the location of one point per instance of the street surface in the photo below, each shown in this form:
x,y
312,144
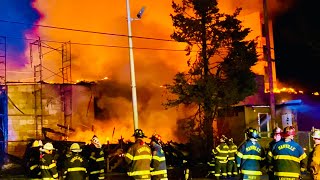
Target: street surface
x,y
20,177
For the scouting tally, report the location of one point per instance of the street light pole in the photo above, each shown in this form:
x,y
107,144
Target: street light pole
x,y
132,71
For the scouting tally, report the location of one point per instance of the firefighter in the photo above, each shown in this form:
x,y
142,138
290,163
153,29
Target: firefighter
x,y
276,135
47,164
158,162
33,160
138,158
315,155
75,165
287,157
250,156
221,156
231,165
96,164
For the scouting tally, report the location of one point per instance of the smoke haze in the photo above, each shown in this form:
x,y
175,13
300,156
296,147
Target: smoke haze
x,y
92,62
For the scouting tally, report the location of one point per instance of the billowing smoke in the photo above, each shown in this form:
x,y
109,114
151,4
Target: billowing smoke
x,y
21,11
90,62
96,56
275,7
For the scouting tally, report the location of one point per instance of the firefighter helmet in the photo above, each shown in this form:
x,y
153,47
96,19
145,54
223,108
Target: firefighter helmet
x,y
75,147
35,144
276,131
252,133
231,140
289,131
316,134
138,133
40,143
47,146
223,138
156,138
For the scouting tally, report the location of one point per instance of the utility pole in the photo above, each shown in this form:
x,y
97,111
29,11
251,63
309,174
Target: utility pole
x,y
269,60
132,71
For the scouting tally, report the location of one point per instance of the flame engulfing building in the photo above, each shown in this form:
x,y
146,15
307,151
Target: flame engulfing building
x,y
34,113
32,110
291,107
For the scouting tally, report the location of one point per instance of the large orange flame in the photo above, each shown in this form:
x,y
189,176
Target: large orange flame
x,y
153,67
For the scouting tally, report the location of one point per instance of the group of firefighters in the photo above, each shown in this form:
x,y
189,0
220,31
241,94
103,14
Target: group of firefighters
x,y
144,162
284,159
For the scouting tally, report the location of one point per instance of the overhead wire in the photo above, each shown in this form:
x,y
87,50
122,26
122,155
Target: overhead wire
x,y
99,45
86,31
91,44
94,32
97,32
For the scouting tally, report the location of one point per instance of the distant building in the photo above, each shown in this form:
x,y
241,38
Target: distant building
x,y
299,110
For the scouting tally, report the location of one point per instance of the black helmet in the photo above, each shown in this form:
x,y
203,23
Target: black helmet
x,y
252,133
156,138
276,131
138,133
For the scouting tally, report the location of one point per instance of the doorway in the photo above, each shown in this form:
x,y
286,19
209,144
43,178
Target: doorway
x,y
264,124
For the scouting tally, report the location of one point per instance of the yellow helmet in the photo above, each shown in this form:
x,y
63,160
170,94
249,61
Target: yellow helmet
x,y
35,144
75,147
316,134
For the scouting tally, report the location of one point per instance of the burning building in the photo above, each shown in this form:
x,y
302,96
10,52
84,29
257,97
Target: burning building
x,y
45,100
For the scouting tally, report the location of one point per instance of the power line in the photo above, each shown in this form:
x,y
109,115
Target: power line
x,y
96,32
99,45
86,31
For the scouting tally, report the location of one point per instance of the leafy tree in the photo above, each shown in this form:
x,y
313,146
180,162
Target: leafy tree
x,y
220,76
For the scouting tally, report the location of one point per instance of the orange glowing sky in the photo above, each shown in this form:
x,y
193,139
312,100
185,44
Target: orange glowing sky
x,y
91,62
153,67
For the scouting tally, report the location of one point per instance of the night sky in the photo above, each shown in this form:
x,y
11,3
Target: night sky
x,y
296,33
21,11
297,46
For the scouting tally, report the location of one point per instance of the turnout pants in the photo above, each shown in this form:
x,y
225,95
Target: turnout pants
x,y
232,168
220,169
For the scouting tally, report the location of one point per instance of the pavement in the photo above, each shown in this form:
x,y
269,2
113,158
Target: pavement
x,y
264,177
14,172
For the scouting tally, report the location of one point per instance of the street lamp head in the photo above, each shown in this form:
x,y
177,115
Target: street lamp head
x,y
140,13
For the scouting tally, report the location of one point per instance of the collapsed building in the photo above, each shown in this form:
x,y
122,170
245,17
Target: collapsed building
x,y
34,113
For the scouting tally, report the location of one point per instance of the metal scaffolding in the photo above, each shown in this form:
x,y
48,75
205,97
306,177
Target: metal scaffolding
x,y
38,82
65,87
3,98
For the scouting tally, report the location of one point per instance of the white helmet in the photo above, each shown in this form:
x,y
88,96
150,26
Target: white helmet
x,y
48,146
40,143
75,147
316,134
